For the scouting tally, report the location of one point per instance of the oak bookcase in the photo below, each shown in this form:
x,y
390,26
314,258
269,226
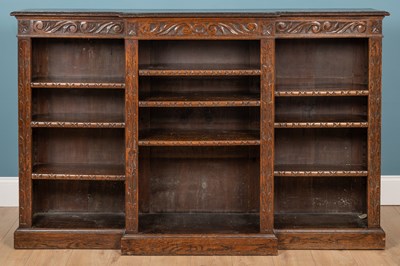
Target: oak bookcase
x,y
200,132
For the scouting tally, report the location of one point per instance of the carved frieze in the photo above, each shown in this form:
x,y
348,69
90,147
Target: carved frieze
x,y
321,27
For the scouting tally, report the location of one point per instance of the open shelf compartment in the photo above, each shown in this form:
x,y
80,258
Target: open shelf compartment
x,y
77,108
200,57
320,202
313,65
199,126
199,190
78,63
61,204
82,154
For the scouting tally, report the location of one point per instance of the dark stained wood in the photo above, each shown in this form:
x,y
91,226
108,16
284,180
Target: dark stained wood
x,y
159,137
199,223
131,136
24,132
208,244
79,172
267,57
78,60
200,133
319,220
330,238
68,238
374,131
320,195
75,220
200,179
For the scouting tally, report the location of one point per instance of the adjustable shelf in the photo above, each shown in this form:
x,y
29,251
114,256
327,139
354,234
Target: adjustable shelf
x,y
198,138
321,121
78,83
200,100
320,170
78,120
198,70
74,171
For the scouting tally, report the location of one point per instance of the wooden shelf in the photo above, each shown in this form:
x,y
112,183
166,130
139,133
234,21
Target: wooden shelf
x,y
78,120
198,70
78,82
303,93
199,223
319,220
198,138
200,100
79,172
79,220
320,170
320,121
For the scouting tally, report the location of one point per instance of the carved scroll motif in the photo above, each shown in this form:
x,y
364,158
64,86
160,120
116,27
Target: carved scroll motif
x,y
321,27
200,28
83,27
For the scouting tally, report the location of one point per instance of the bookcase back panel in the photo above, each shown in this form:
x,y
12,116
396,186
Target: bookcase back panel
x,y
79,146
321,147
321,109
199,54
78,59
79,102
184,88
320,63
320,194
236,118
78,196
199,179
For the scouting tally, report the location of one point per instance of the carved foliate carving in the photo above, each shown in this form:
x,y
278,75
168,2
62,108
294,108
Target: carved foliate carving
x,y
232,28
321,27
321,173
78,124
74,27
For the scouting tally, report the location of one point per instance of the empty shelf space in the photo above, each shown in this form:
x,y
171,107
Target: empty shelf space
x,y
199,223
78,220
320,120
320,170
198,70
320,220
78,82
79,120
200,100
198,138
79,172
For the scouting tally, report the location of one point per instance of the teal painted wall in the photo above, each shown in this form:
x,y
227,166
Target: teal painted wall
x,y
8,61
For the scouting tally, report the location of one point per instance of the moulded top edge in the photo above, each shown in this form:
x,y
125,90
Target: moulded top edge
x,y
200,12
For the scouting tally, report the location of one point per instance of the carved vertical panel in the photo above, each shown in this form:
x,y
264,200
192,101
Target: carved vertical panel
x,y
267,136
131,136
374,131
25,133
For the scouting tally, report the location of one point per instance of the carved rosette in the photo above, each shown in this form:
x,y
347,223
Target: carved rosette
x,y
24,27
205,28
321,27
376,27
78,27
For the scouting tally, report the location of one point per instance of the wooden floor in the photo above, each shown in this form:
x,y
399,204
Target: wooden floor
x,y
10,256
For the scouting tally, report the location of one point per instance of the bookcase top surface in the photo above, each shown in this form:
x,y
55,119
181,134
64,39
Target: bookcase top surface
x,y
201,12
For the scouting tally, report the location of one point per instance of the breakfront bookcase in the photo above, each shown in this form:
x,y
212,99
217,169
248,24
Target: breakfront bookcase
x,y
222,132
